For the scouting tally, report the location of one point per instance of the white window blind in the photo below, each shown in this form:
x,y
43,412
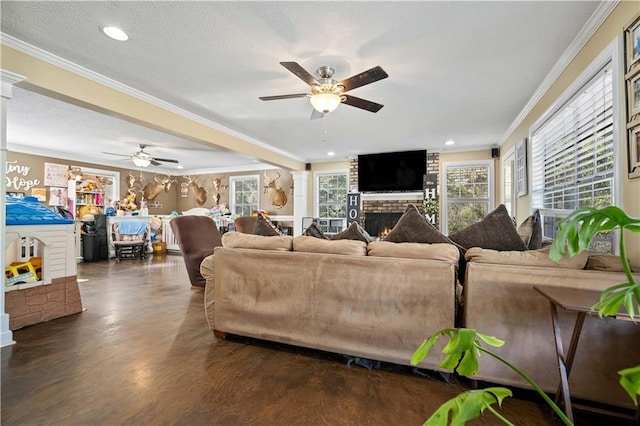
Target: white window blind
x,y
572,152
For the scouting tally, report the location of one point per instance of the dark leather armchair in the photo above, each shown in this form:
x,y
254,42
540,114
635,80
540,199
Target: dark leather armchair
x,y
245,224
197,236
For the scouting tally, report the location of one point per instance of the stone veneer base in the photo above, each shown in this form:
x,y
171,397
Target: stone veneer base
x,y
43,303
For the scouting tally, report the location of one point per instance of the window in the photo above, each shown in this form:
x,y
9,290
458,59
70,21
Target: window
x,y
573,149
246,194
331,197
508,182
468,194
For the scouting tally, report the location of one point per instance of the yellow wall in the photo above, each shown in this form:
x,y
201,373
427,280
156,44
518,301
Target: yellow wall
x,y
612,27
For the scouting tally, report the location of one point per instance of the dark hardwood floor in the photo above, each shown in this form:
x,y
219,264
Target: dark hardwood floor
x,y
142,353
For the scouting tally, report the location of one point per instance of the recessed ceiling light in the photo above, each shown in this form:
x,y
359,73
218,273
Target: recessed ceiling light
x,y
179,166
449,142
331,153
115,33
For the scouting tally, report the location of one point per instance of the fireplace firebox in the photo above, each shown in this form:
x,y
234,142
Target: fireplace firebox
x,y
379,224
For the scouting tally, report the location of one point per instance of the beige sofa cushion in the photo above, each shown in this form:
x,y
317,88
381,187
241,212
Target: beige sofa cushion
x,y
437,251
604,262
525,258
316,245
259,242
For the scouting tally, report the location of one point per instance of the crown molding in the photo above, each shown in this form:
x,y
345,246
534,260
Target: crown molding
x,y
9,79
171,171
67,65
601,13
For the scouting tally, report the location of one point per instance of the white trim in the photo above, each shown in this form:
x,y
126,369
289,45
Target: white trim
x,y
595,21
443,184
52,59
158,170
9,79
511,156
395,196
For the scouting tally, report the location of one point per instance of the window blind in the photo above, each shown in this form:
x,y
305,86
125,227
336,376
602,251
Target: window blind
x,y
572,152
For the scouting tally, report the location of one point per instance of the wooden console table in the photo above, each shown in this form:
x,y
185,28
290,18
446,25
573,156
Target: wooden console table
x,y
579,301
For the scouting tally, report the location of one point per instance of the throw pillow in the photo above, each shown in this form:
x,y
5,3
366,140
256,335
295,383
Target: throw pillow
x,y
314,231
496,231
530,230
353,232
412,227
264,227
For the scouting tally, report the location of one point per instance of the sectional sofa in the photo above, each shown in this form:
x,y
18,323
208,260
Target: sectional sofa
x,y
376,300
380,299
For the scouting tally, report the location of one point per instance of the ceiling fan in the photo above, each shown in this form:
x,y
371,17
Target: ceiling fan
x,y
327,94
144,159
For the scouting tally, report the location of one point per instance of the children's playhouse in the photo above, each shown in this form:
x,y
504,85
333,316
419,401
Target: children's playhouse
x,y
41,272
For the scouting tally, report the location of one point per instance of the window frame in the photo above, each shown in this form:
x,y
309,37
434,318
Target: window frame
x,y
316,188
232,190
510,157
612,55
443,184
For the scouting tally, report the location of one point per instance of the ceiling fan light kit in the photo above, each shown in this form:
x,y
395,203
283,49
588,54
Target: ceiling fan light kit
x,y
144,159
325,102
327,94
141,162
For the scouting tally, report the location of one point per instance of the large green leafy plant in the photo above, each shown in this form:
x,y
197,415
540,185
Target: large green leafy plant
x,y
575,233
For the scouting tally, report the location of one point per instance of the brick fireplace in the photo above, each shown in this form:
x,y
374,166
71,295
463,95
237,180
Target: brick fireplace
x,y
380,209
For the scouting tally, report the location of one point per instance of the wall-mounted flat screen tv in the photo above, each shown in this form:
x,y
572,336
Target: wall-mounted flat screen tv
x,y
392,171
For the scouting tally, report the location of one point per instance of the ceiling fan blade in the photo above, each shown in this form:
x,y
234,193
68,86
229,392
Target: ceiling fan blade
x,y
113,153
154,162
300,72
315,114
275,98
366,77
165,160
362,103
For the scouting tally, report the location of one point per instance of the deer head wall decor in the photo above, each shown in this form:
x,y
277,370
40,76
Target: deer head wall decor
x,y
152,190
131,179
198,192
217,185
275,192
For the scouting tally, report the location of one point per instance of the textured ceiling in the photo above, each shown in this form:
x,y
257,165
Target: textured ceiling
x,y
457,70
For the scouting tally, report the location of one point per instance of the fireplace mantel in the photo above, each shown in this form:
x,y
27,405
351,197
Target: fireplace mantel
x,y
384,196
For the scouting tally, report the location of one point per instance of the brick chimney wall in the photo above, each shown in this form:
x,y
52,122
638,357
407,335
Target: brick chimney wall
x,y
393,206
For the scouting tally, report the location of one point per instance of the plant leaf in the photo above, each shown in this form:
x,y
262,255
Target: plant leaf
x,y
490,340
423,350
467,406
576,231
630,381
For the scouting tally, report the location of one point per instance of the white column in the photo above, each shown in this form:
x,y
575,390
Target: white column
x,y
300,197
8,80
